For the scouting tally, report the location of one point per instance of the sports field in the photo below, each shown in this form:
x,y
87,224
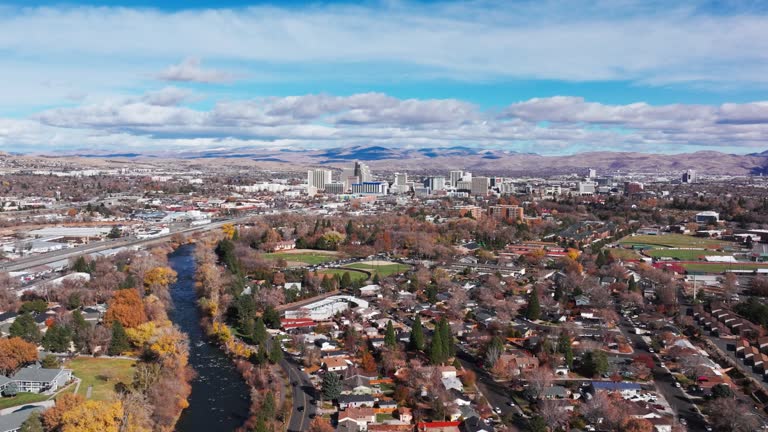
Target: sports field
x,y
683,254
673,241
305,257
722,267
354,275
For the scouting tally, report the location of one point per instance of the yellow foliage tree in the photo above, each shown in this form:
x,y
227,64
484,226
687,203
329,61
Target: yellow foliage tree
x,y
169,342
161,276
141,334
229,230
93,416
221,333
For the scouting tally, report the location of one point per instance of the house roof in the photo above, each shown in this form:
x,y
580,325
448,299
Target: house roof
x,y
14,420
615,386
355,398
36,374
335,362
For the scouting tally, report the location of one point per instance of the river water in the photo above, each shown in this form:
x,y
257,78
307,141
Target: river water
x,y
220,398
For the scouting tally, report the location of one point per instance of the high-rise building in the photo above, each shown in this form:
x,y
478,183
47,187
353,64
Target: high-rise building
x,y
318,178
363,172
586,188
592,173
480,186
435,183
456,177
689,176
401,179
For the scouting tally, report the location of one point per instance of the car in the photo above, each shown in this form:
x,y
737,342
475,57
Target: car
x,y
312,415
300,409
683,421
497,410
650,350
677,384
510,403
708,428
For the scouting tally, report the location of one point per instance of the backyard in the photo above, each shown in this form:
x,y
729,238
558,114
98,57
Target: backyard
x,y
101,373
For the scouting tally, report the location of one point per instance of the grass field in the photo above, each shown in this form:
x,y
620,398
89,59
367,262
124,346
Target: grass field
x,y
673,241
101,373
383,270
721,267
309,258
624,254
22,399
683,254
355,275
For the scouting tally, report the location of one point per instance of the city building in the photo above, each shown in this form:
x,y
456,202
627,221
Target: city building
x,y
326,308
480,186
586,188
335,188
689,176
363,172
708,218
435,183
371,188
592,173
509,212
318,178
455,177
468,210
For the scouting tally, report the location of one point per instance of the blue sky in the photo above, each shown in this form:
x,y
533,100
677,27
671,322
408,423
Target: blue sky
x,y
551,76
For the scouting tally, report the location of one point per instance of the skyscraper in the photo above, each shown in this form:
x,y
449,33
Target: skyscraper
x,y
318,178
363,172
480,186
456,177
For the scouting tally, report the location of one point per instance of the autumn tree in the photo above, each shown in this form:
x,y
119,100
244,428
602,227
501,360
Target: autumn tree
x,y
93,416
320,424
367,361
127,308
53,417
15,352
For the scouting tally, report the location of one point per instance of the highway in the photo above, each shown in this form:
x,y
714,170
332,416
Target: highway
x,y
304,397
43,259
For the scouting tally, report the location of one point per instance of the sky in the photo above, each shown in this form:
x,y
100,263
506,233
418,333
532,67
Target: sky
x,y
546,76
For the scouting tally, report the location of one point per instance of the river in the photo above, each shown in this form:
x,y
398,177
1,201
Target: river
x,y
220,398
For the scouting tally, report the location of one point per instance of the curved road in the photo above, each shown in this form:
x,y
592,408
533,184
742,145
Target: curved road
x,y
304,397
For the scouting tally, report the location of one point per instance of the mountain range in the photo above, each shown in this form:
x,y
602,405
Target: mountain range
x,y
473,159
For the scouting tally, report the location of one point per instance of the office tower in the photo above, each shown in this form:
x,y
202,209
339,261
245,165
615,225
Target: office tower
x,y
318,178
435,183
592,173
401,179
689,176
480,186
363,172
455,177
371,188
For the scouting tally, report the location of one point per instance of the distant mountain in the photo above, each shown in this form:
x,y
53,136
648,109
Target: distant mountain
x,y
479,160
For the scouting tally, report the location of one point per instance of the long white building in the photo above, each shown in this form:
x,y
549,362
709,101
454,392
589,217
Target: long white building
x,y
326,308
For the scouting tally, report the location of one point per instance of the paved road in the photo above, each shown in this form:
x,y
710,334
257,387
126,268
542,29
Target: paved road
x,y
681,404
303,397
497,394
37,260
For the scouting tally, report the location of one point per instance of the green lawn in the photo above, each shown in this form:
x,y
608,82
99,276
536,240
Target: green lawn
x,y
22,399
683,254
673,241
383,270
354,275
721,267
309,258
382,417
101,373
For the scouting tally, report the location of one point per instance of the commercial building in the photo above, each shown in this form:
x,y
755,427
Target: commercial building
x,y
689,176
480,186
326,308
371,188
708,218
508,212
363,172
435,183
455,177
318,178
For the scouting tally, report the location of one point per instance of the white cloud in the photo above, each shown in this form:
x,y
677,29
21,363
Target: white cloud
x,y
542,125
191,70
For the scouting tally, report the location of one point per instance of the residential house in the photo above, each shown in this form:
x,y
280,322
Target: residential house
x,y
12,422
356,401
34,379
335,364
360,416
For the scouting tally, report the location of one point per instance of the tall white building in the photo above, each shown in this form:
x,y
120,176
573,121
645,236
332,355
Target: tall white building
x,y
435,183
592,173
401,179
371,188
318,178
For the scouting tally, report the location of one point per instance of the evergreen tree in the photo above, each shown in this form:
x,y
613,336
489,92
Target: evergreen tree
x,y
436,352
331,386
268,405
275,352
25,328
57,338
119,343
261,424
417,335
595,363
79,330
601,259
261,356
50,362
533,311
564,347
390,339
632,285
376,278
271,317
260,332
81,266
446,336
114,233
346,280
